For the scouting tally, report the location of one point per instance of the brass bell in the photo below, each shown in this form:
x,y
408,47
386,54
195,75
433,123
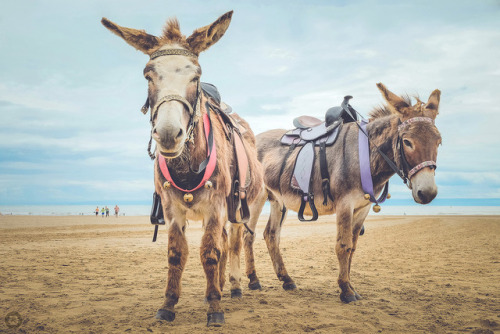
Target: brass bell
x,y
188,197
208,184
367,197
388,195
166,185
376,208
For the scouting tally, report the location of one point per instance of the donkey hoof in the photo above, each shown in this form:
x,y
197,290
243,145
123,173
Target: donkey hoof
x,y
236,293
165,315
347,298
215,319
362,230
254,286
289,286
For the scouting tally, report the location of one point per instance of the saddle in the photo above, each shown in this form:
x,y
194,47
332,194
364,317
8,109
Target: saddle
x,y
311,132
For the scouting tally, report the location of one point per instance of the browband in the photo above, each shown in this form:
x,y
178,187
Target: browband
x,y
173,52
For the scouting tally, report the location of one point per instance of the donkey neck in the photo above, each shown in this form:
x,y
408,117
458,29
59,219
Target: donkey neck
x,y
383,132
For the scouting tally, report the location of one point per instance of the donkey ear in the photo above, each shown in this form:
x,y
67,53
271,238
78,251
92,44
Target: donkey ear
x,y
139,39
203,38
396,103
432,105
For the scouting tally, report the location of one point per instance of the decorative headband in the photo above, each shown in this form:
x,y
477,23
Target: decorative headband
x,y
413,120
173,52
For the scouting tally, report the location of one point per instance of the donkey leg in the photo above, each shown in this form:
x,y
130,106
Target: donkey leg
x,y
358,220
177,258
343,248
249,238
235,236
223,259
210,254
272,237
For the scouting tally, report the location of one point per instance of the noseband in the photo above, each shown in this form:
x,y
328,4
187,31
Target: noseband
x,y
194,112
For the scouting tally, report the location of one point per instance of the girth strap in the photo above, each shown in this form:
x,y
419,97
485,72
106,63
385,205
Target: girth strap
x,y
325,175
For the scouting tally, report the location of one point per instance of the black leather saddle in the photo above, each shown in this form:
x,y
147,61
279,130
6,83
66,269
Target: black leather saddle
x,y
309,133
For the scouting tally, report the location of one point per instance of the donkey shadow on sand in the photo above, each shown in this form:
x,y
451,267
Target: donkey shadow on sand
x,y
403,139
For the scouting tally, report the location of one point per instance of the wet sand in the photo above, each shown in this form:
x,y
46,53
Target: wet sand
x,y
417,274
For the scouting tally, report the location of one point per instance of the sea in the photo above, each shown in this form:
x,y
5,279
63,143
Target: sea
x,y
397,209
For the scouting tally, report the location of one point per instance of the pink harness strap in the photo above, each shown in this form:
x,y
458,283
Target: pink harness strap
x,y
208,170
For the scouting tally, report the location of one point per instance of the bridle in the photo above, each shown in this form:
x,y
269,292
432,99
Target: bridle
x,y
194,111
406,172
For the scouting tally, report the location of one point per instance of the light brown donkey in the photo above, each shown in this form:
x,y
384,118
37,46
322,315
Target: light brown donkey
x,y
197,149
405,133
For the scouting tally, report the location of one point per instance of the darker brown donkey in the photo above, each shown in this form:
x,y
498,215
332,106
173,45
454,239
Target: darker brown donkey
x,y
395,127
191,136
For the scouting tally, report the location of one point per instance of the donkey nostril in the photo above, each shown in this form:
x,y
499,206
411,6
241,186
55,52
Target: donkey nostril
x,y
180,133
420,194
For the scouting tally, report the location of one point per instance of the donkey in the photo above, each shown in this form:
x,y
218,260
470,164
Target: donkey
x,y
405,133
195,155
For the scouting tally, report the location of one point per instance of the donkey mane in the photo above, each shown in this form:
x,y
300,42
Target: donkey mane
x,y
383,110
172,33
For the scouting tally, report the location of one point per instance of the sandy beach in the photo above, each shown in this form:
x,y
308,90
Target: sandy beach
x,y
417,274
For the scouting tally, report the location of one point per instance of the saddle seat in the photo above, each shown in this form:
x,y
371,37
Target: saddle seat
x,y
304,122
331,115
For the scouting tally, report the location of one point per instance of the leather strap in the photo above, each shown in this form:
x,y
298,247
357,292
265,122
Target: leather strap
x,y
155,234
325,175
364,166
243,167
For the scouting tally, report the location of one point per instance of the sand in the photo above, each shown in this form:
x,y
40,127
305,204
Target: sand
x,y
417,274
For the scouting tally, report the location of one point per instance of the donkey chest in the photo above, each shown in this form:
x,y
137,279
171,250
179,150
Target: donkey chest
x,y
194,204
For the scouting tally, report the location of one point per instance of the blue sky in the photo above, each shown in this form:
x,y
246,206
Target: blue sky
x,y
70,91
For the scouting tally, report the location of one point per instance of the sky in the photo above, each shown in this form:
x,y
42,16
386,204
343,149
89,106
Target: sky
x,y
71,130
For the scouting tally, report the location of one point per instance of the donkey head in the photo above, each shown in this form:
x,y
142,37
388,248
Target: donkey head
x,y
418,141
173,76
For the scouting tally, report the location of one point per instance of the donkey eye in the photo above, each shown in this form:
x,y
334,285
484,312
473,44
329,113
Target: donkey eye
x,y
407,143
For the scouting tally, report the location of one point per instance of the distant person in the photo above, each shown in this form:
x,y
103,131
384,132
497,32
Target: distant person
x,y
103,210
107,211
117,209
97,211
